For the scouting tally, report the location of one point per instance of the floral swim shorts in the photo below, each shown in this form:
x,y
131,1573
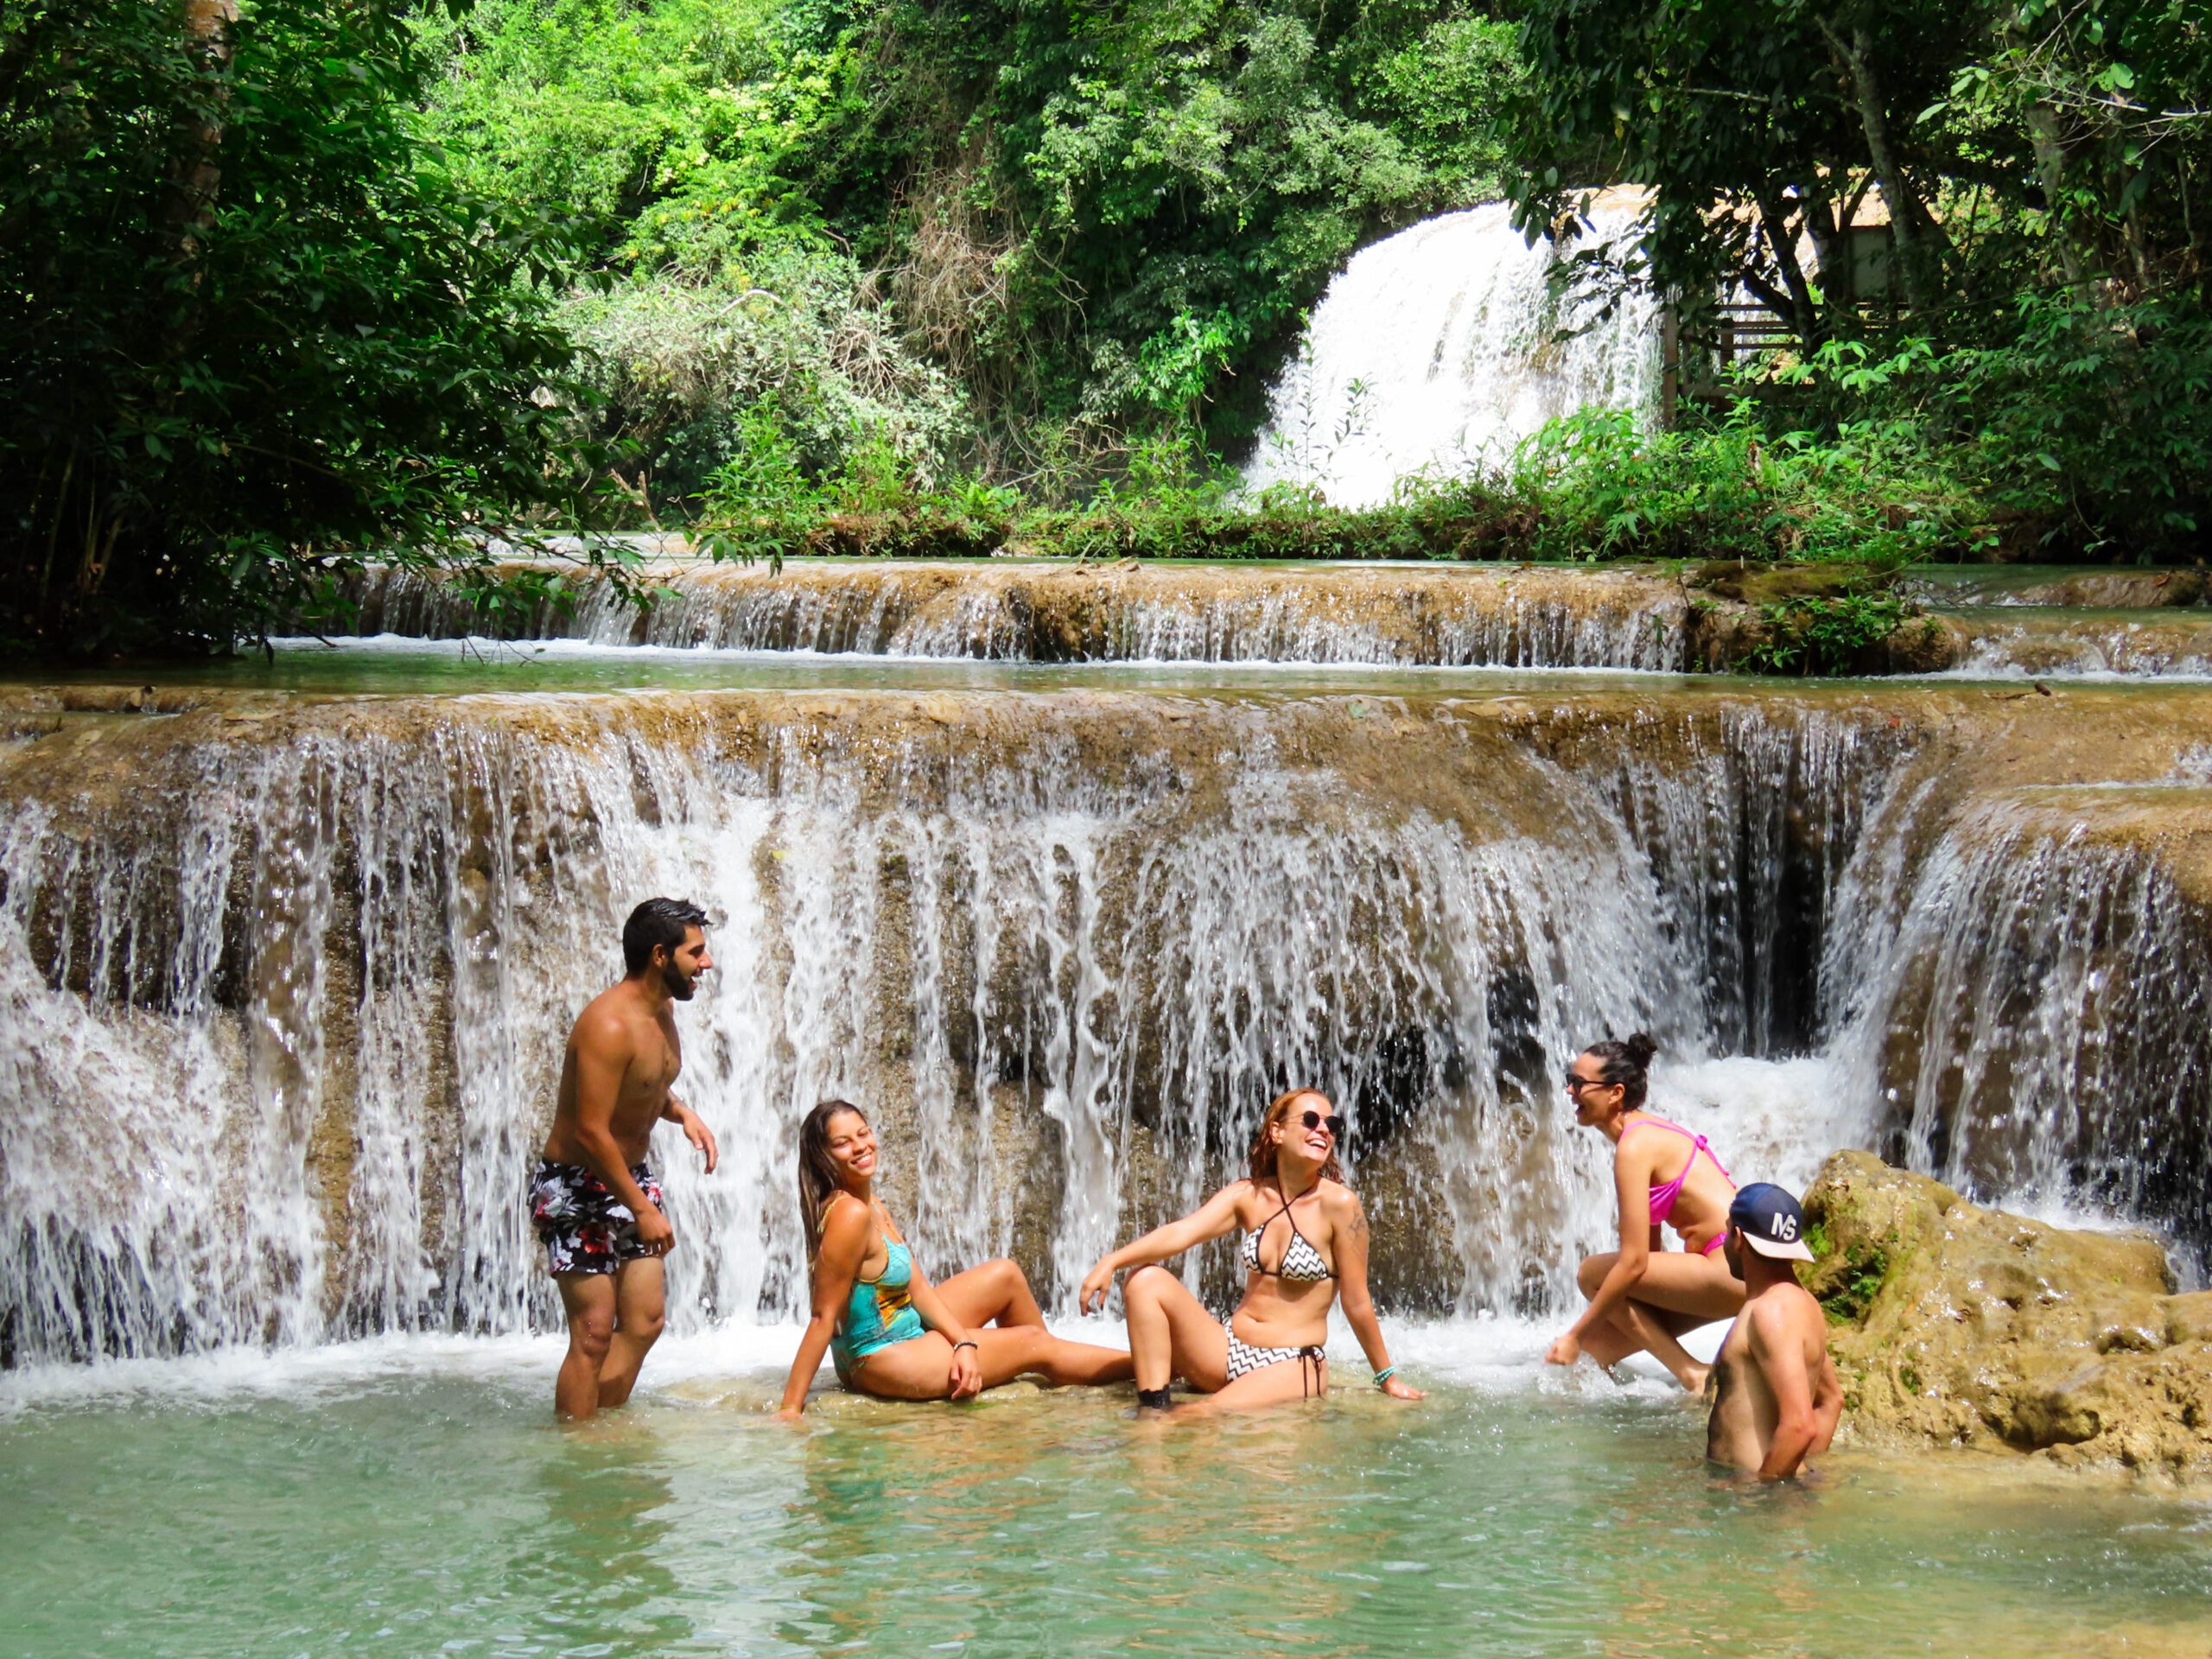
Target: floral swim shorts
x,y
586,1229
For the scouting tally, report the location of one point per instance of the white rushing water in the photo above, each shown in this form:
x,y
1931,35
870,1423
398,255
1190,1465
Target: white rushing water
x,y
1439,349
1319,616
275,1066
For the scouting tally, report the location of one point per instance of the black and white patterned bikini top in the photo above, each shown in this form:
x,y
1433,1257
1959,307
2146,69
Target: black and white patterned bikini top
x,y
1300,1262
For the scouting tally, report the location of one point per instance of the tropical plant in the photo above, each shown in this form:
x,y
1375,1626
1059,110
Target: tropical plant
x,y
252,330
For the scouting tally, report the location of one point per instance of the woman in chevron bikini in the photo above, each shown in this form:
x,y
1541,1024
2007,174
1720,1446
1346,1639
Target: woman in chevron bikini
x,y
1643,1298
889,1331
1304,1244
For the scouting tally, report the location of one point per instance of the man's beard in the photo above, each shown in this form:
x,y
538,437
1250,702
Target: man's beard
x,y
678,983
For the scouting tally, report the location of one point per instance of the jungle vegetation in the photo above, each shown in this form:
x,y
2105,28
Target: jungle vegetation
x,y
294,283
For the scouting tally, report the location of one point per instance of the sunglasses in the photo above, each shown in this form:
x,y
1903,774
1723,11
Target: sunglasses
x,y
1576,1084
1334,1125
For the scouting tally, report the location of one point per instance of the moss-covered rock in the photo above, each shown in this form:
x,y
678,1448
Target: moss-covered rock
x,y
1965,1325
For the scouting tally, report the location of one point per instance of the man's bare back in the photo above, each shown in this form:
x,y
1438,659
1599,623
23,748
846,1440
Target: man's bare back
x,y
1778,1396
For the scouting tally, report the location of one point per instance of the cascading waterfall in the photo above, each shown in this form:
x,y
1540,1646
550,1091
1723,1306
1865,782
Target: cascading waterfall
x,y
2029,1008
1065,961
1439,348
1065,945
1435,618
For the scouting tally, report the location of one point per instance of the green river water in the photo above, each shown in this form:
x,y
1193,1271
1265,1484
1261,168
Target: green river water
x,y
415,1498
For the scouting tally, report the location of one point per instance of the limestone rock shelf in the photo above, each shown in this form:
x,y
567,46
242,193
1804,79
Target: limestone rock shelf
x,y
1956,1324
1651,618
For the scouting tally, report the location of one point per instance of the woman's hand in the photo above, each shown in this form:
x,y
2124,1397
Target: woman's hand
x,y
1398,1390
791,1414
1096,1287
965,1379
1564,1352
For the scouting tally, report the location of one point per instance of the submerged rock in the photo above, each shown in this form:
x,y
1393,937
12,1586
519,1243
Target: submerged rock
x,y
1965,1325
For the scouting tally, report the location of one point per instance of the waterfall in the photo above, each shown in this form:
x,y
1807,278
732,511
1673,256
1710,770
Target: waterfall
x,y
2028,1006
1439,349
1430,618
1063,948
284,985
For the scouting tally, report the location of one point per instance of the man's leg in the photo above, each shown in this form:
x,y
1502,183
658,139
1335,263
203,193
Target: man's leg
x,y
588,1300
641,1306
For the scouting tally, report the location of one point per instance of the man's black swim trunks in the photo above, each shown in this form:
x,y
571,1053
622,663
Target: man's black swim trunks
x,y
586,1229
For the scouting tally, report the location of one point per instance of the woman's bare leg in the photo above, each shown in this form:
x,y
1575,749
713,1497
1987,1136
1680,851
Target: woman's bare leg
x,y
1679,1291
995,1293
1271,1385
1656,1330
922,1369
1171,1333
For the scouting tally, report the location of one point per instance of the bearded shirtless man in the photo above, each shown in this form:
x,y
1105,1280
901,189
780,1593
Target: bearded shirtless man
x,y
595,1201
1779,1398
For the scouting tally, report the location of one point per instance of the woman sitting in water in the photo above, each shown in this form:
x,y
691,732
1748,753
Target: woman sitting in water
x,y
890,1331
1304,1244
1643,1297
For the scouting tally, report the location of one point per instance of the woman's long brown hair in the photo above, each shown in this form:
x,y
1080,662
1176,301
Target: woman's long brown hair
x,y
1262,1167
817,1171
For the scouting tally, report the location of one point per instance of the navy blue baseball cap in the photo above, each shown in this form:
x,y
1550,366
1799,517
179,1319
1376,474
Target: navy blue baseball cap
x,y
1772,1221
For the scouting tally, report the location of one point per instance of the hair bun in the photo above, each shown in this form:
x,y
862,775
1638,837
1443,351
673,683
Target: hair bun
x,y
1640,1047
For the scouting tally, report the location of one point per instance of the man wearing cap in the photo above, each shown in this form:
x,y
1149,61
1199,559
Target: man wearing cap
x,y
1779,1398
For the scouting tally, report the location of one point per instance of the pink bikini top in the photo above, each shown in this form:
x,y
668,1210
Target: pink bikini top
x,y
1663,1198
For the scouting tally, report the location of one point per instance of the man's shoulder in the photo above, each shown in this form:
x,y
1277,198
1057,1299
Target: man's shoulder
x,y
608,1023
1784,1309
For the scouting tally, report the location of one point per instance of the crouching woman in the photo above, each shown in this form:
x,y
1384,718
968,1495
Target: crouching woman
x,y
889,1331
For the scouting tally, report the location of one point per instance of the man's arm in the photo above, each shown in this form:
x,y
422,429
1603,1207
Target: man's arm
x,y
1779,1352
1827,1404
602,1061
694,1127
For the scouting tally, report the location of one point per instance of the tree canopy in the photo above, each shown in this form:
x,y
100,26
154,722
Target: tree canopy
x,y
253,328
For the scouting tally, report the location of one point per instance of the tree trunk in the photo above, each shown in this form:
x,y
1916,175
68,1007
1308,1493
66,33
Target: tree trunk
x,y
2050,170
1918,237
1774,224
187,210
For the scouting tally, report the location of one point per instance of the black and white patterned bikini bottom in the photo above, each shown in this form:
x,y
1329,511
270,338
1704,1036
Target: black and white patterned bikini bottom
x,y
1243,1357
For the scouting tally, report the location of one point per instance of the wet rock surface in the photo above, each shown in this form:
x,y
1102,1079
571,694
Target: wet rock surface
x,y
1962,1326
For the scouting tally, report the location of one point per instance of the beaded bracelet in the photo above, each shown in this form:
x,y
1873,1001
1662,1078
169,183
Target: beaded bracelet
x,y
1385,1375
957,1346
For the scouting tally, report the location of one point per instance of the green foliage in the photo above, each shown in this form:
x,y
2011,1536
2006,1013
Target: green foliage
x,y
1098,222
2094,423
1603,488
2007,145
2023,189
1811,634
1849,1295
686,367
253,329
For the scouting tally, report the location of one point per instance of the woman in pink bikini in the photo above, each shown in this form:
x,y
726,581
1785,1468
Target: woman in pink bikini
x,y
1643,1297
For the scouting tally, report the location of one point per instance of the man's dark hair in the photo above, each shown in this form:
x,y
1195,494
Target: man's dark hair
x,y
657,922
